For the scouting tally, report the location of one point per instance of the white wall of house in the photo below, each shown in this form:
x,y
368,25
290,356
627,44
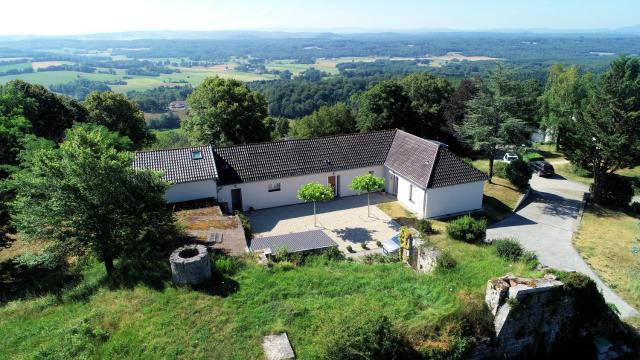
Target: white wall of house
x,y
191,191
257,195
454,199
410,195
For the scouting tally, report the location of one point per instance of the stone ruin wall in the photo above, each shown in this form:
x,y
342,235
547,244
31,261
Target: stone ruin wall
x,y
529,315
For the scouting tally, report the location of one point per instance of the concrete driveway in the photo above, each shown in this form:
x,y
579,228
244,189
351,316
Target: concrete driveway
x,y
546,224
344,220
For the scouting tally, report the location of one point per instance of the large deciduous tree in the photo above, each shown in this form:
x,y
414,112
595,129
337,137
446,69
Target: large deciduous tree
x,y
328,120
119,114
367,183
428,95
49,114
85,198
315,192
385,106
225,111
562,99
606,137
491,118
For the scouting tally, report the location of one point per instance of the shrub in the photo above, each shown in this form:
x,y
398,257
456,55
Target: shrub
x,y
518,173
467,229
500,169
424,226
378,259
588,300
363,245
246,225
333,253
618,190
283,266
379,243
349,248
281,254
508,249
445,261
530,258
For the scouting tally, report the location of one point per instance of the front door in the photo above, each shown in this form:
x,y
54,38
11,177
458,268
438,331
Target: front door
x,y
236,199
393,188
333,182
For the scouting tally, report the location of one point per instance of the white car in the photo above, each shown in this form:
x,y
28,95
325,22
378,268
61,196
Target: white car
x,y
509,157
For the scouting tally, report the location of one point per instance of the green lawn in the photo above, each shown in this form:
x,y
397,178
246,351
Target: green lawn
x,y
500,196
151,318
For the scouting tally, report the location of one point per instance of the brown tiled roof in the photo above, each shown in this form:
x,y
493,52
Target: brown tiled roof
x,y
424,162
449,170
412,157
427,163
177,165
279,159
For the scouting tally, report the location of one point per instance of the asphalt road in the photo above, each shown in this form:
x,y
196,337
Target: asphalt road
x,y
546,223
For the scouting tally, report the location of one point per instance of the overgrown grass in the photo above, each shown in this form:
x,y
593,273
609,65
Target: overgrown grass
x,y
604,240
136,318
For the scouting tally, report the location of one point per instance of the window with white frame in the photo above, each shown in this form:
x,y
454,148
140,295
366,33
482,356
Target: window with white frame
x,y
411,192
274,187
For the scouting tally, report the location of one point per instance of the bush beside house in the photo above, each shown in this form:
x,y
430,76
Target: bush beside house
x,y
468,229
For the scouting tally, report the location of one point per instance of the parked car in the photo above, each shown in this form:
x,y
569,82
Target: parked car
x,y
542,168
509,157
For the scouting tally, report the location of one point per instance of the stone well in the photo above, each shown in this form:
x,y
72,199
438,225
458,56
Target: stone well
x,y
190,265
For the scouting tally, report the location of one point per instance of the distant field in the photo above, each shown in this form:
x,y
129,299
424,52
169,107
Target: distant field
x,y
20,66
438,61
44,64
194,76
295,68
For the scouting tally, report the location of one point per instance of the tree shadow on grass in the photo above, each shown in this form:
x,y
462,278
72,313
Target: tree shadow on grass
x,y
21,282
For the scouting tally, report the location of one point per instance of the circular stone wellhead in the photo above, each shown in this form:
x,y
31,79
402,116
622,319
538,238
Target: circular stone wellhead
x,y
190,265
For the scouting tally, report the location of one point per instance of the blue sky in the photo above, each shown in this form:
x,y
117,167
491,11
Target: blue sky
x,y
88,16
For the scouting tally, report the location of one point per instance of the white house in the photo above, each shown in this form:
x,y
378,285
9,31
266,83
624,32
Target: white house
x,y
424,175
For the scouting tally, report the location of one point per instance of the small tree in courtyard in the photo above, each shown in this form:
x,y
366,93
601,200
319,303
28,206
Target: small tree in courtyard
x,y
315,192
367,183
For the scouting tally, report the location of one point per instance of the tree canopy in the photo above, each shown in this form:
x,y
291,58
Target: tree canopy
x,y
315,192
225,111
328,120
119,114
605,137
491,119
562,100
85,198
385,106
367,183
49,114
429,96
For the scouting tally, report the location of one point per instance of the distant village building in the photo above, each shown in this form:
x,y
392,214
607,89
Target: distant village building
x,y
177,105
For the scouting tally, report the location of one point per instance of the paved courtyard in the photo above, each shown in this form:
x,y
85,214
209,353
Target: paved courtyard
x,y
344,220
